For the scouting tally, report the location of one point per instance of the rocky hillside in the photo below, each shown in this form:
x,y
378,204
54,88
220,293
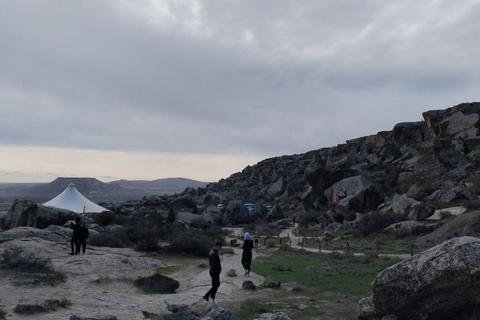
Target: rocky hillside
x,y
413,169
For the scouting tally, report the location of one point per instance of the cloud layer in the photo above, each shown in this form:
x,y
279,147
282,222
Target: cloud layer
x,y
248,79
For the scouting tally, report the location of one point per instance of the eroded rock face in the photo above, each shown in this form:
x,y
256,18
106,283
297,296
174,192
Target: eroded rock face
x,y
22,213
440,283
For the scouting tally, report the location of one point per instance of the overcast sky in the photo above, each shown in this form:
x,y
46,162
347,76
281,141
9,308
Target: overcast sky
x,y
133,89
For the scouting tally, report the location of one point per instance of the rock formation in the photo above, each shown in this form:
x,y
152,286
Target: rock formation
x,y
439,283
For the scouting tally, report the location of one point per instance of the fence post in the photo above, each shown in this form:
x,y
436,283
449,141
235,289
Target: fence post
x,y
302,245
348,247
376,246
326,242
320,246
411,250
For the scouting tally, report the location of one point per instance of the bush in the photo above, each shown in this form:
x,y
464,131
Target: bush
x,y
105,240
104,218
31,264
191,242
270,243
140,238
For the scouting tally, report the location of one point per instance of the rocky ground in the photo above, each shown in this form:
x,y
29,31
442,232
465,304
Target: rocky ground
x,y
100,283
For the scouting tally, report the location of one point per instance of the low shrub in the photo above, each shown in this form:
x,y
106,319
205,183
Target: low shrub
x,y
105,240
191,242
270,243
31,264
104,218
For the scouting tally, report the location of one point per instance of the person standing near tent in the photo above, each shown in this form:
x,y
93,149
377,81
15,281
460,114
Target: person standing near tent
x,y
82,238
247,253
75,227
215,269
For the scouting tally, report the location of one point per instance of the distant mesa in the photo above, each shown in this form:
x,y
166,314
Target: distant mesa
x,y
96,190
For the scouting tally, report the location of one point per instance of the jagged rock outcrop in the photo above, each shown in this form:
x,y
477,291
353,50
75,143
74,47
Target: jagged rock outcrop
x,y
429,164
439,283
47,216
22,213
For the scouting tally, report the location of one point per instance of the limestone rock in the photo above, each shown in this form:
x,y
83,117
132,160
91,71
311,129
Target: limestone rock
x,y
271,283
400,203
420,211
411,228
273,316
41,306
158,283
47,216
220,314
231,273
439,283
248,285
92,317
22,213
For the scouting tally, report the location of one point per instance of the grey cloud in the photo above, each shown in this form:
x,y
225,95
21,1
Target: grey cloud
x,y
268,77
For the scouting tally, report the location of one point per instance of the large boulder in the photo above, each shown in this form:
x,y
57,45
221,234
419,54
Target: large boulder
x,y
346,187
440,283
401,203
410,228
23,213
420,211
158,283
236,213
47,216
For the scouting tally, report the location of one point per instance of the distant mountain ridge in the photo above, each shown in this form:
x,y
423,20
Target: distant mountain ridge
x,y
96,190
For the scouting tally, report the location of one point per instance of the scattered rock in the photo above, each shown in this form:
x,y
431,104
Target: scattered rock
x,y
271,283
220,314
231,273
93,317
273,316
158,283
248,285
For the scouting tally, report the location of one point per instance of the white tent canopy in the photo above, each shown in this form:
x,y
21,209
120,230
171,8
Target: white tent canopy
x,y
71,199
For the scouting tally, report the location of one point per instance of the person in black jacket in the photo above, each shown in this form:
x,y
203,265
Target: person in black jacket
x,y
82,238
247,253
215,269
75,227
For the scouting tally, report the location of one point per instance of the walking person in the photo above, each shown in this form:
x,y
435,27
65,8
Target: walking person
x,y
215,269
256,237
75,227
247,253
82,238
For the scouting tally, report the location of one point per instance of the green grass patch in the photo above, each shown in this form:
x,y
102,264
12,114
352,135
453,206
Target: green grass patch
x,y
322,272
177,263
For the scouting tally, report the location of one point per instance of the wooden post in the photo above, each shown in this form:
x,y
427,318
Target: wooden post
x,y
411,250
320,246
348,247
302,245
290,243
376,246
326,242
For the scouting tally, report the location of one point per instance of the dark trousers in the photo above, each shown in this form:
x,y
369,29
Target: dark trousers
x,y
81,244
215,284
246,259
73,244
